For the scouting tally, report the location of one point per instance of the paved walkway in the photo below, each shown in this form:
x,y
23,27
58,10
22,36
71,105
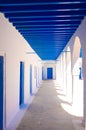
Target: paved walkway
x,y
46,112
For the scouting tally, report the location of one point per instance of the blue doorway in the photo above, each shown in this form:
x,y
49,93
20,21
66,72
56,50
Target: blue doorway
x,y
1,91
30,79
49,73
21,98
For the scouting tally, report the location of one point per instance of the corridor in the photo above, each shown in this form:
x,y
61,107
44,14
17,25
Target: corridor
x,y
46,112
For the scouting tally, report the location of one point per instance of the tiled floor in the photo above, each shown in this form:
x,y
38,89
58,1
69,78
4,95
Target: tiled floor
x,y
46,112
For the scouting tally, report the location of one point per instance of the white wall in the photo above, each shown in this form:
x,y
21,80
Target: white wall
x,y
49,64
15,49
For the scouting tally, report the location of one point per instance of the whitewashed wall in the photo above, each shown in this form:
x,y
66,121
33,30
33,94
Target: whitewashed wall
x,y
15,49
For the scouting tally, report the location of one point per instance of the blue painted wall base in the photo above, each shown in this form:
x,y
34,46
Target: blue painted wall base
x,y
21,83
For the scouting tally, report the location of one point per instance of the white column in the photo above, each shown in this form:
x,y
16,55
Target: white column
x,y
77,91
61,62
69,76
64,73
75,76
58,71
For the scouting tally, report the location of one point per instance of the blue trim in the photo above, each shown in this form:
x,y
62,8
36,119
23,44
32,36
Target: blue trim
x,y
21,83
1,92
80,73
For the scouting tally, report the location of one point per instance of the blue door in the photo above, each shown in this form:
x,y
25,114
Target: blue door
x,y
49,73
21,83
30,79
1,92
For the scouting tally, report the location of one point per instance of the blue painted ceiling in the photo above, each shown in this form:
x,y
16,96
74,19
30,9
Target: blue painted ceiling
x,y
47,25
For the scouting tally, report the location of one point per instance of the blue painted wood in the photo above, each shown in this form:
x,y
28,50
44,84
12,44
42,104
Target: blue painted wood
x,y
21,83
42,25
1,92
80,73
30,79
49,73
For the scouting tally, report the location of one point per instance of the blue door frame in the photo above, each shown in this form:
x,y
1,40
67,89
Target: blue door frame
x,y
30,79
1,91
49,73
21,98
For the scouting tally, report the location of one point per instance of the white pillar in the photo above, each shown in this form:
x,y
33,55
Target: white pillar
x,y
69,76
77,91
61,61
75,79
58,72
64,73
